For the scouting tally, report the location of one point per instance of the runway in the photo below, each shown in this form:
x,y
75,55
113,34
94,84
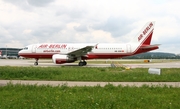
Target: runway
x,y
49,63
80,83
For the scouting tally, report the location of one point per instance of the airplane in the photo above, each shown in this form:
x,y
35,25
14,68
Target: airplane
x,y
61,53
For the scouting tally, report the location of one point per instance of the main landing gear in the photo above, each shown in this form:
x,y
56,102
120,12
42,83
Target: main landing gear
x,y
36,62
82,63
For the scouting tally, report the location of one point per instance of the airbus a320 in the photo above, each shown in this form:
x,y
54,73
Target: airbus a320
x,y
62,53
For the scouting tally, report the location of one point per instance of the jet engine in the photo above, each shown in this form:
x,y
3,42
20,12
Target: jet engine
x,y
60,59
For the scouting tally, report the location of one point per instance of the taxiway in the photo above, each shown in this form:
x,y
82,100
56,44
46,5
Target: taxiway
x,y
45,63
80,83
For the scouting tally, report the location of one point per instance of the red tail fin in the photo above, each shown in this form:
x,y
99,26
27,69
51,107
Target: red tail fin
x,y
144,36
147,41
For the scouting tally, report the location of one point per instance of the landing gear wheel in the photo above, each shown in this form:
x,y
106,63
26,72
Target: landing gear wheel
x,y
36,63
81,64
84,63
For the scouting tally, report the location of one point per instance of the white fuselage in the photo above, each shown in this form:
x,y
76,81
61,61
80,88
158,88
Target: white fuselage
x,y
102,50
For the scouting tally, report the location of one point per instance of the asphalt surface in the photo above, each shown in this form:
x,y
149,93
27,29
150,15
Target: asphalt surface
x,y
45,63
42,63
80,83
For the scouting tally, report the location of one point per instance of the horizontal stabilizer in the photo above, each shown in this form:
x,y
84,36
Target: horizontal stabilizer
x,y
149,46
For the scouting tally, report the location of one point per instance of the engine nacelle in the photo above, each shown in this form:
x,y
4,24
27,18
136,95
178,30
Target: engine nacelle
x,y
61,59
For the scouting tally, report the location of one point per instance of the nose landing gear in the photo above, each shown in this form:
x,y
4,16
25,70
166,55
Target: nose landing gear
x,y
36,62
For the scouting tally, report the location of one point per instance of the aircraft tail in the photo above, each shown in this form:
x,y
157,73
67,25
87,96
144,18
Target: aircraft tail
x,y
144,36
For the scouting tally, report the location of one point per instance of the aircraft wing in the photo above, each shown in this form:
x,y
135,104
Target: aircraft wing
x,y
81,52
149,46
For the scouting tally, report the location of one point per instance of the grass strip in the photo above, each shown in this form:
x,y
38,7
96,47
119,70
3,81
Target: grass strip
x,y
108,97
88,74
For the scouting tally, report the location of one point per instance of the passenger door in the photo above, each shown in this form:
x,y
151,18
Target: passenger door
x,y
34,48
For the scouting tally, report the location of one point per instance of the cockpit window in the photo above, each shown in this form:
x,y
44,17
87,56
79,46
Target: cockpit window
x,y
25,48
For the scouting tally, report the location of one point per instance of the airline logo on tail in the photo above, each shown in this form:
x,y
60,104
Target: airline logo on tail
x,y
145,31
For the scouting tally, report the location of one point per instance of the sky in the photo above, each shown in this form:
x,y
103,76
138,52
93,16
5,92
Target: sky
x,y
25,22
